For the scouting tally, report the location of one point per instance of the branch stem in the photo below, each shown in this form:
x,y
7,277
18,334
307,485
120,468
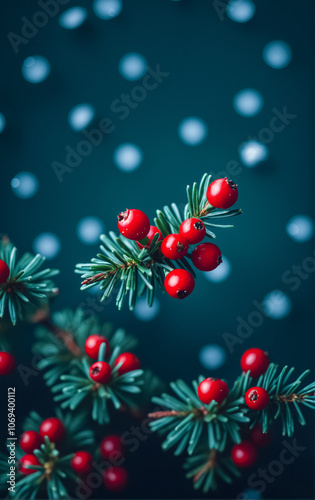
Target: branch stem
x,y
63,335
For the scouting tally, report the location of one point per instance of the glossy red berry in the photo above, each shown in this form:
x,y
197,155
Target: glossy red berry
x,y
150,236
222,193
129,362
255,360
30,441
111,448
244,454
53,428
100,372
179,283
193,230
27,460
4,271
7,363
115,478
82,462
212,389
93,343
174,246
258,438
206,256
133,224
256,398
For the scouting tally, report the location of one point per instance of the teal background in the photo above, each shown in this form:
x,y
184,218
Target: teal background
x,y
208,62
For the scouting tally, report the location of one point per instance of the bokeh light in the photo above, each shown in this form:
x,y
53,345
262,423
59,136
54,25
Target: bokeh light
x,y
212,356
89,230
128,157
253,152
248,102
2,122
192,131
47,244
145,313
300,228
132,66
221,273
73,18
107,9
24,185
277,304
241,11
35,69
81,116
277,54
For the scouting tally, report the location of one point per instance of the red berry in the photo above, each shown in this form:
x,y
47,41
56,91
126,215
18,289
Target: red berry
x,y
129,361
244,454
93,343
255,360
82,462
256,398
27,460
179,283
258,438
53,428
193,230
4,271
206,256
150,235
115,478
30,441
174,246
222,193
111,448
212,389
100,372
133,224
7,363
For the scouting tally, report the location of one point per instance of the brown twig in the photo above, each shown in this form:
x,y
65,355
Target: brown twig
x,y
65,336
207,466
172,413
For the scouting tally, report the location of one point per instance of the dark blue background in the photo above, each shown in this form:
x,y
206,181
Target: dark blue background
x,y
208,61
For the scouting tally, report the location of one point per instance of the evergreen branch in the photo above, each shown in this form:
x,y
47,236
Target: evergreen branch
x,y
186,421
136,270
27,289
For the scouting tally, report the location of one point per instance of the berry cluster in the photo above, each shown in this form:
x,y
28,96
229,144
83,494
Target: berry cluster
x,y
179,283
256,398
115,477
101,371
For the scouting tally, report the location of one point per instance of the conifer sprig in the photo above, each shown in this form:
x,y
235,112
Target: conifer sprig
x,y
135,270
27,289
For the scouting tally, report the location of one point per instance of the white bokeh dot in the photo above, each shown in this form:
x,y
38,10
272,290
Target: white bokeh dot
x,y
253,152
212,356
240,11
47,244
277,54
73,18
145,313
89,230
2,122
132,66
80,116
192,131
277,304
24,185
248,102
35,69
107,9
300,228
128,157
220,273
